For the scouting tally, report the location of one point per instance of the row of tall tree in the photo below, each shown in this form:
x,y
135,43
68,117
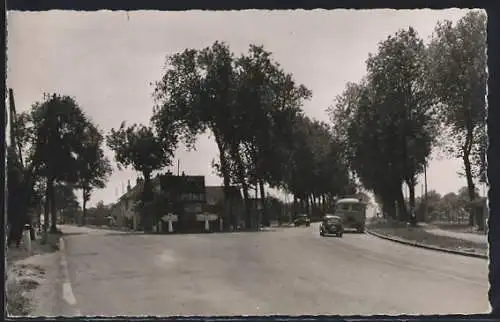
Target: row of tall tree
x,y
413,99
55,147
253,110
451,208
383,130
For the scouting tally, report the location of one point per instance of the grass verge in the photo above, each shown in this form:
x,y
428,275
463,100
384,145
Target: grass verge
x,y
18,303
420,235
23,278
461,228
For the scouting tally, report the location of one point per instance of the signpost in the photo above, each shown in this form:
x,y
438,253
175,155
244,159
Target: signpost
x,y
170,218
207,217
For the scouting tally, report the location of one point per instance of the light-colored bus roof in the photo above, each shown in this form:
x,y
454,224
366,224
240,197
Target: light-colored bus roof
x,y
349,200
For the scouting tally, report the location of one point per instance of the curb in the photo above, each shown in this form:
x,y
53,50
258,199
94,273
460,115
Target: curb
x,y
420,245
67,292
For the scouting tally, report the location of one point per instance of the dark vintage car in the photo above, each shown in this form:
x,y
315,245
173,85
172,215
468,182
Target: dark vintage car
x,y
302,220
331,225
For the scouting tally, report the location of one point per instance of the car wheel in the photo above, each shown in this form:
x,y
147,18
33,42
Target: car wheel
x,y
339,235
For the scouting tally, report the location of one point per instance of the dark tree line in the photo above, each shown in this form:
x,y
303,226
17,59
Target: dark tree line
x,y
383,129
55,148
416,98
253,110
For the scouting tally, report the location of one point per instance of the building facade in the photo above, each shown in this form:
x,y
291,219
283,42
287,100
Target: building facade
x,y
185,197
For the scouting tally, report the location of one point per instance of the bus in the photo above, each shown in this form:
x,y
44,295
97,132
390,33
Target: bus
x,y
353,213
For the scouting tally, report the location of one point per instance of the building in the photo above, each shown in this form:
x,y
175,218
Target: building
x,y
215,198
124,212
185,196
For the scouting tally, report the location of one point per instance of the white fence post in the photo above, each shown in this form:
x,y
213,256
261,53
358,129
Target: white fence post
x,y
27,238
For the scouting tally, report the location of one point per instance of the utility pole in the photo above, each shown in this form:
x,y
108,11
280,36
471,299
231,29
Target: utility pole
x,y
13,120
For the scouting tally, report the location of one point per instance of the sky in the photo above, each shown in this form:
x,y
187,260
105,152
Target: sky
x,y
107,60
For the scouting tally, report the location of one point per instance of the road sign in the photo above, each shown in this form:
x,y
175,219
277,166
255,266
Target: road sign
x,y
170,218
206,217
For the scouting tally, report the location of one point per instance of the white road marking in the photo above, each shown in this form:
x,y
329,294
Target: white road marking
x,y
68,295
67,291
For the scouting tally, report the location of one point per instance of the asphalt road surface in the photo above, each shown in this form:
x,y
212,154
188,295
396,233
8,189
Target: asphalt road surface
x,y
289,271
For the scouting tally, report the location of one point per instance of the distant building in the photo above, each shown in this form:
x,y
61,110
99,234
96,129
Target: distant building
x,y
185,196
123,211
216,204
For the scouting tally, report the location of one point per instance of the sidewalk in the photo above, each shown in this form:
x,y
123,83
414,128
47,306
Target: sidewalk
x,y
31,287
431,237
475,238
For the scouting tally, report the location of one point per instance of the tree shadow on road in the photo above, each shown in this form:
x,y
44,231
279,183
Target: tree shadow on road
x,y
190,233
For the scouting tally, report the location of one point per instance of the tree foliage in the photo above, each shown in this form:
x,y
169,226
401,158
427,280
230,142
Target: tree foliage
x,y
386,123
243,102
139,147
51,134
94,167
457,74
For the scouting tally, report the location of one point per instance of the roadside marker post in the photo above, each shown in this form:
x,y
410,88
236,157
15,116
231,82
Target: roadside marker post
x,y
207,223
207,218
170,226
27,238
170,218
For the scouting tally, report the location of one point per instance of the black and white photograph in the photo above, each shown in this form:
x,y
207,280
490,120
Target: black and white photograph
x,y
251,162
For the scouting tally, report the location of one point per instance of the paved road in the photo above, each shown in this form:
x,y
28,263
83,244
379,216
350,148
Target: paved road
x,y
287,271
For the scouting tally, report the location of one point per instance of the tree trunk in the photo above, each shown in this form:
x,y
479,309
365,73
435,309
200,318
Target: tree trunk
x,y
84,206
265,214
388,206
147,197
231,218
294,207
250,222
246,201
46,211
468,171
411,187
475,217
403,212
314,203
53,207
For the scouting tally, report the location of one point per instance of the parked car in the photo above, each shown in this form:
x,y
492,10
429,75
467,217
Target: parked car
x,y
302,219
331,225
